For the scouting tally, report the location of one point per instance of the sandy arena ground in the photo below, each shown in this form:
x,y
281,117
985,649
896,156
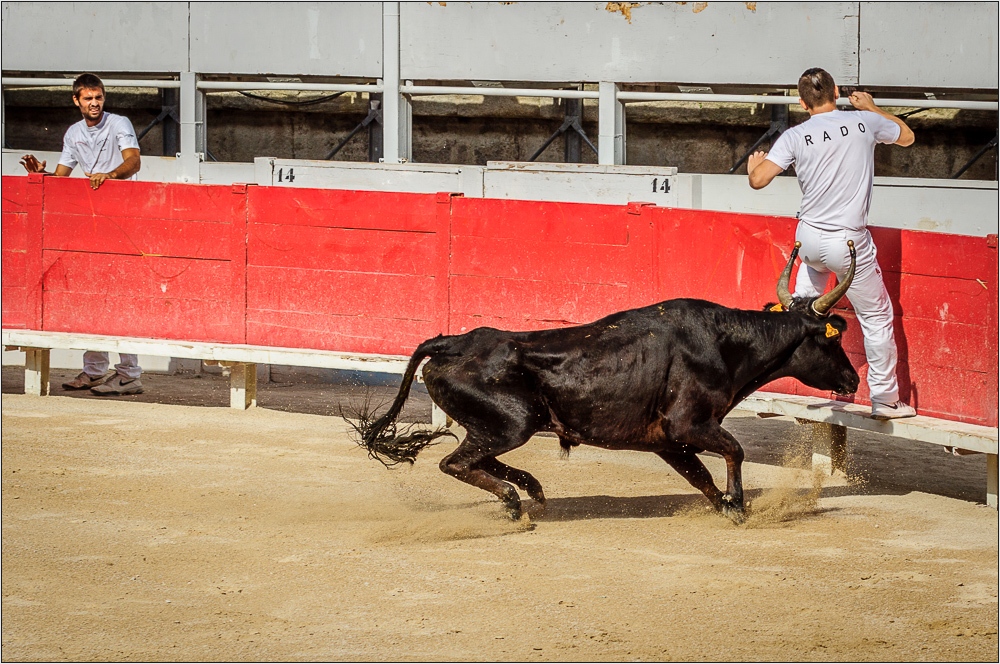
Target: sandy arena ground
x,y
135,530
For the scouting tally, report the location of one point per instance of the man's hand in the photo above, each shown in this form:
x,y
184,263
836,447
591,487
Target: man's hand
x,y
862,101
755,160
96,179
760,170
31,164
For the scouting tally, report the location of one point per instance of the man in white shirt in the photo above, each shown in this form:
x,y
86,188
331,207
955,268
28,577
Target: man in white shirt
x,y
104,145
833,153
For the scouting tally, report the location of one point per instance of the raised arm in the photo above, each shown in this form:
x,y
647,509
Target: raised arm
x,y
863,102
32,165
761,171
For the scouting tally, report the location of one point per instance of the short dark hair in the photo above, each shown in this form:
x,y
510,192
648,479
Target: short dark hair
x,y
86,81
816,87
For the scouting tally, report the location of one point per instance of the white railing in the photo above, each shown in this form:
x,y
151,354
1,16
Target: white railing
x,y
397,148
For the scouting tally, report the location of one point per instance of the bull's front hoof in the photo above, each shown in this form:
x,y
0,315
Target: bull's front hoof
x,y
513,513
734,514
732,510
512,506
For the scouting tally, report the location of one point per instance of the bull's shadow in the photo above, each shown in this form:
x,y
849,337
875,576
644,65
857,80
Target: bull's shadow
x,y
578,508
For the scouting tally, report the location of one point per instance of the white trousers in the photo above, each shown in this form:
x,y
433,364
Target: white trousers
x,y
824,252
95,363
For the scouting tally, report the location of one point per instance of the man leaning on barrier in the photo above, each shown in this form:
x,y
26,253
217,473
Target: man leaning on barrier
x,y
104,145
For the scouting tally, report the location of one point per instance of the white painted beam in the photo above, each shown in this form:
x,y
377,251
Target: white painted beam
x,y
611,125
395,364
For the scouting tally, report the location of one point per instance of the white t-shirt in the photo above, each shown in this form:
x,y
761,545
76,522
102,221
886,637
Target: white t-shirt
x,y
98,149
834,157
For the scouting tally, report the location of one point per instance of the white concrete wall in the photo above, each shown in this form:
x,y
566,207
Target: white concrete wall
x,y
929,44
712,43
291,38
95,36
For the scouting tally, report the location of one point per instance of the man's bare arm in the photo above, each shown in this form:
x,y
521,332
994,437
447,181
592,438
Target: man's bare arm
x,y
125,170
761,171
863,102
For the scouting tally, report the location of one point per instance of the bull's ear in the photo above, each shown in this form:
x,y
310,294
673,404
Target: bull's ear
x,y
833,326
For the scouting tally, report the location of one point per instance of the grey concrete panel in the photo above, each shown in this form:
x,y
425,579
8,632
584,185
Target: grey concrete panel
x,y
95,36
287,38
583,183
960,207
709,43
412,178
931,44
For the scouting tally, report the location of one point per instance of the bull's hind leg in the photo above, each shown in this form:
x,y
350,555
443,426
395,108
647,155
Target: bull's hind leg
x,y
521,478
466,464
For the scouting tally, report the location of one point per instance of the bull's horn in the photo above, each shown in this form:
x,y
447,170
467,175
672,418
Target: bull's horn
x,y
784,297
824,303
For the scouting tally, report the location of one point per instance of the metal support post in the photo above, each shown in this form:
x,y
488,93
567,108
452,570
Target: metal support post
x,y
572,129
376,131
192,102
36,371
611,125
779,124
405,127
829,446
171,124
989,146
396,113
573,148
374,118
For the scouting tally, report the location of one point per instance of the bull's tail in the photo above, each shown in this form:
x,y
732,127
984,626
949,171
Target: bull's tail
x,y
379,435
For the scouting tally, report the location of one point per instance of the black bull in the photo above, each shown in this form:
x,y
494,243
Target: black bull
x,y
658,379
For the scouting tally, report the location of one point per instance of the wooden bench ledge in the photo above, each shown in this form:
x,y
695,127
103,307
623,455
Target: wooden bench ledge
x,y
323,359
925,429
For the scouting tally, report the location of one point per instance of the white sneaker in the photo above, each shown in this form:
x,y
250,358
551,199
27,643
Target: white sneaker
x,y
891,411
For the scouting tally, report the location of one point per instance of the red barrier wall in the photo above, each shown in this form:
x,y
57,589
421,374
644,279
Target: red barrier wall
x,y
16,287
136,258
346,270
380,272
943,288
530,265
